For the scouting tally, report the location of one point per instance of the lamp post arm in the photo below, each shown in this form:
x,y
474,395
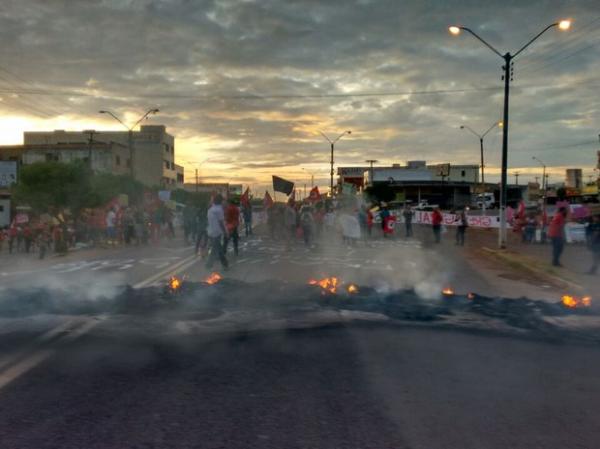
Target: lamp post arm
x,y
326,138
150,111
340,136
483,41
487,132
467,127
116,118
535,38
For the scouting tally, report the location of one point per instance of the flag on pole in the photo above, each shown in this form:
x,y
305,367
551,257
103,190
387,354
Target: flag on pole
x,y
282,185
245,198
314,194
267,201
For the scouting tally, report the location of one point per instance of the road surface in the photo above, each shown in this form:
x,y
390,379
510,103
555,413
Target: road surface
x,y
258,378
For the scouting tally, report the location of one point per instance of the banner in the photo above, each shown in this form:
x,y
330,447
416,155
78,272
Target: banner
x,y
475,221
282,185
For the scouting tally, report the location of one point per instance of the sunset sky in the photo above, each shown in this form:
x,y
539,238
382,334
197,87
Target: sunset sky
x,y
246,86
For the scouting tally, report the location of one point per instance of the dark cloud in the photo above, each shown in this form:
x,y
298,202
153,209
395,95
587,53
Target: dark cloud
x,y
251,81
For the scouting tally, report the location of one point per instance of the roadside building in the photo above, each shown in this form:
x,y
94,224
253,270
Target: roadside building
x,y
150,151
223,188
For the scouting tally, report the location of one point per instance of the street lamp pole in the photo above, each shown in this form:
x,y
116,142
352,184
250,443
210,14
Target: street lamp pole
x,y
312,177
544,182
481,137
332,143
130,134
508,59
371,162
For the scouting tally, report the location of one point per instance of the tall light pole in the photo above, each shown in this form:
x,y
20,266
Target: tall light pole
x,y
508,59
517,177
332,143
481,137
544,181
130,133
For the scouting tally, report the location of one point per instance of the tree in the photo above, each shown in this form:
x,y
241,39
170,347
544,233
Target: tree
x,y
106,186
54,185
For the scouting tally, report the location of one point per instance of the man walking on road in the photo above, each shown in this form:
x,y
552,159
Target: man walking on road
x,y
436,221
216,231
556,232
290,222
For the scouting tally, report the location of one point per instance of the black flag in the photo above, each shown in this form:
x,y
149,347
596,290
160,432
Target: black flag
x,y
282,185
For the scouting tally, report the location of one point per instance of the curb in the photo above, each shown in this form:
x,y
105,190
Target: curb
x,y
529,266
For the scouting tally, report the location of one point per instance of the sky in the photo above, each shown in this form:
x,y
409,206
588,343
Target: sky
x,y
247,86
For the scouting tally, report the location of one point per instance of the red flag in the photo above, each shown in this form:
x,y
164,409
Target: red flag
x,y
521,210
314,194
245,198
267,201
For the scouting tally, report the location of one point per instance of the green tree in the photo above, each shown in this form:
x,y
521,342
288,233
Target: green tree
x,y
106,186
53,185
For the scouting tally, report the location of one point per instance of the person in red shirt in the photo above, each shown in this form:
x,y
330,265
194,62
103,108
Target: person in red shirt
x,y
556,232
436,222
232,222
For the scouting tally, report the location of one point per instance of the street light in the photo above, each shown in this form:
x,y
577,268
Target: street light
x,y
332,142
481,137
543,174
508,58
130,133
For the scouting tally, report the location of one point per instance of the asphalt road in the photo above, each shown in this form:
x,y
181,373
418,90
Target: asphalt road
x,y
292,379
346,386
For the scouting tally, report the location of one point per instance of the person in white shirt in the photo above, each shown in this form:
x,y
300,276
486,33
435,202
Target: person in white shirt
x,y
216,230
111,231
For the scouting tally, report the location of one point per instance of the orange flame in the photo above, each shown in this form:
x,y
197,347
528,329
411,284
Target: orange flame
x,y
447,291
174,283
329,284
573,302
213,278
352,289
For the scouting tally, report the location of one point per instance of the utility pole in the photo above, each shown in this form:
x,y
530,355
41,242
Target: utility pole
x,y
371,162
516,177
91,133
196,180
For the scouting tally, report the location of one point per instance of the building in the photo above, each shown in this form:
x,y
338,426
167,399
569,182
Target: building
x,y
105,157
574,178
151,150
446,185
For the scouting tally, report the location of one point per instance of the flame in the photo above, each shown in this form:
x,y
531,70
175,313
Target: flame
x,y
573,302
174,283
447,291
352,289
329,284
213,278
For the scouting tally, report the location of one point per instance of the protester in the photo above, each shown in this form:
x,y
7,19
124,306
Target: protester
x,y
408,215
216,231
290,222
370,222
232,222
362,220
556,232
307,222
529,229
12,238
350,227
247,214
461,228
111,230
384,215
27,237
436,224
593,233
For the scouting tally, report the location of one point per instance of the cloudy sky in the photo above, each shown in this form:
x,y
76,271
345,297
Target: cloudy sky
x,y
248,84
